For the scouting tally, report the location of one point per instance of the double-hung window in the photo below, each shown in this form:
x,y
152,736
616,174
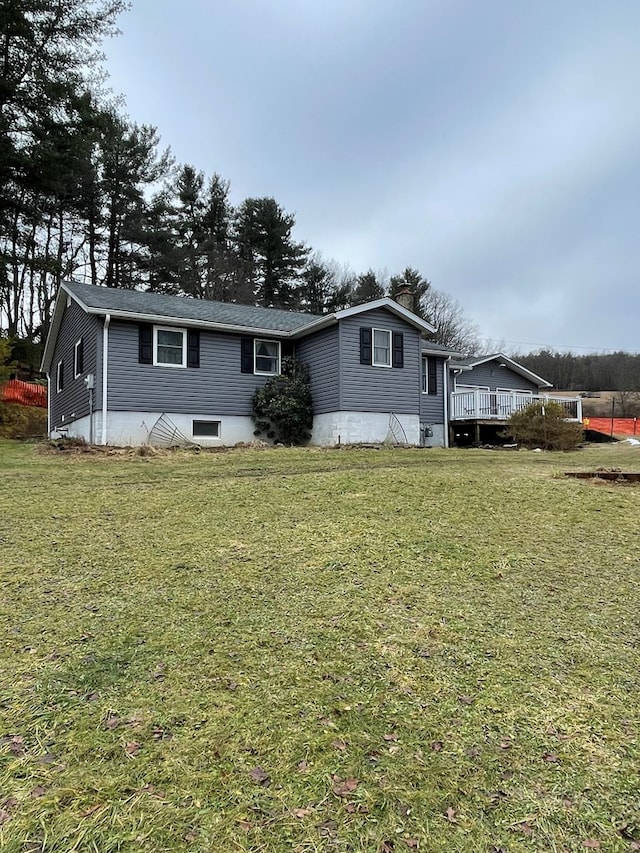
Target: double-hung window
x,y
381,348
169,346
429,375
266,357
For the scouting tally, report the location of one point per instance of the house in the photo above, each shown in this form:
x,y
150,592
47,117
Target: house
x,y
487,390
122,362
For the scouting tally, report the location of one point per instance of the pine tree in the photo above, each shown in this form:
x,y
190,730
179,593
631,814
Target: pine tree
x,y
368,287
325,287
130,165
200,257
48,54
418,286
271,261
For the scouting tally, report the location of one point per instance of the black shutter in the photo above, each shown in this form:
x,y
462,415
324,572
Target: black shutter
x,y
60,376
365,345
432,380
287,349
79,356
398,349
145,343
246,355
193,348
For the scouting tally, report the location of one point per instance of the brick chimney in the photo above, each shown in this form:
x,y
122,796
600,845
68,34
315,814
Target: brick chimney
x,y
404,297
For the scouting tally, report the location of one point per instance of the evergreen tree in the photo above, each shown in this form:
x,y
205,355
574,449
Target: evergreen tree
x,y
48,54
270,260
318,284
325,288
202,259
418,286
221,268
129,167
368,287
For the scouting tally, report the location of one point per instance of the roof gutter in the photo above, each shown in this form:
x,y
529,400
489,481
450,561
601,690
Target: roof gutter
x,y
48,406
105,362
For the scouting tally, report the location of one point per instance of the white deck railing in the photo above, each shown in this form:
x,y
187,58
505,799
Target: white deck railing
x,y
500,405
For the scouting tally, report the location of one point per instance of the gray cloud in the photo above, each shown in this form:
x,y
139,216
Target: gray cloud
x,y
493,146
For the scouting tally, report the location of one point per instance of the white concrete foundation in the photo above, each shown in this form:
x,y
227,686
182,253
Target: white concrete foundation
x,y
364,428
130,429
134,428
78,429
437,439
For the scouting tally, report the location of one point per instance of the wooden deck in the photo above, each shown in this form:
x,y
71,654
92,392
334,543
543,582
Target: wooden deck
x,y
497,406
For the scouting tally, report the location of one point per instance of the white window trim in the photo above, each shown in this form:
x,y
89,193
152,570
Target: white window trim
x,y
183,332
373,348
513,391
76,373
462,387
424,375
257,372
59,369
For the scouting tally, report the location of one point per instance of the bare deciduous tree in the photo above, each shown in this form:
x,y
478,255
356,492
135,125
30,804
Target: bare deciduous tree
x,y
453,328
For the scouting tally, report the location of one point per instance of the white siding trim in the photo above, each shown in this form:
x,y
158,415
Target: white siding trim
x,y
105,361
445,399
48,405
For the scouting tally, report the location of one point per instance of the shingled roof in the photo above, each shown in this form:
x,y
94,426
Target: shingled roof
x,y
109,300
432,348
136,305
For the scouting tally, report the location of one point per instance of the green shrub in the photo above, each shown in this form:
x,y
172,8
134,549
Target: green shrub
x,y
283,408
543,425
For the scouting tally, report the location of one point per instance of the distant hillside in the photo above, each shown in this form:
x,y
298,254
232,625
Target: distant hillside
x,y
619,370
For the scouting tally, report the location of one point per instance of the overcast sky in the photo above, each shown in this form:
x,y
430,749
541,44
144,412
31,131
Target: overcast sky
x,y
494,145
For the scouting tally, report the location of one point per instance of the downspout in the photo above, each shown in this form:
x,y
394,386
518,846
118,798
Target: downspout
x,y
48,406
105,358
446,400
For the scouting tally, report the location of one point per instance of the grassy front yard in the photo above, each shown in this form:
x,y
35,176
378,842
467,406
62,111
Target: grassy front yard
x,y
303,651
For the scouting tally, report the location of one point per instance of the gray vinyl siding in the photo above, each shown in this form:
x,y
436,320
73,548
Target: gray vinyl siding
x,y
364,388
491,375
321,353
217,386
73,401
432,405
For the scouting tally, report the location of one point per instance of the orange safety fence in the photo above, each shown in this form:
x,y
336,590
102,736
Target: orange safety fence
x,y
24,393
621,426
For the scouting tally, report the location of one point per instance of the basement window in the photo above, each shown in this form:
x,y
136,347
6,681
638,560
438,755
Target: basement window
x,y
206,429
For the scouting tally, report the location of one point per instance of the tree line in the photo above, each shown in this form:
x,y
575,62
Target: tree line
x,y
87,193
618,371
